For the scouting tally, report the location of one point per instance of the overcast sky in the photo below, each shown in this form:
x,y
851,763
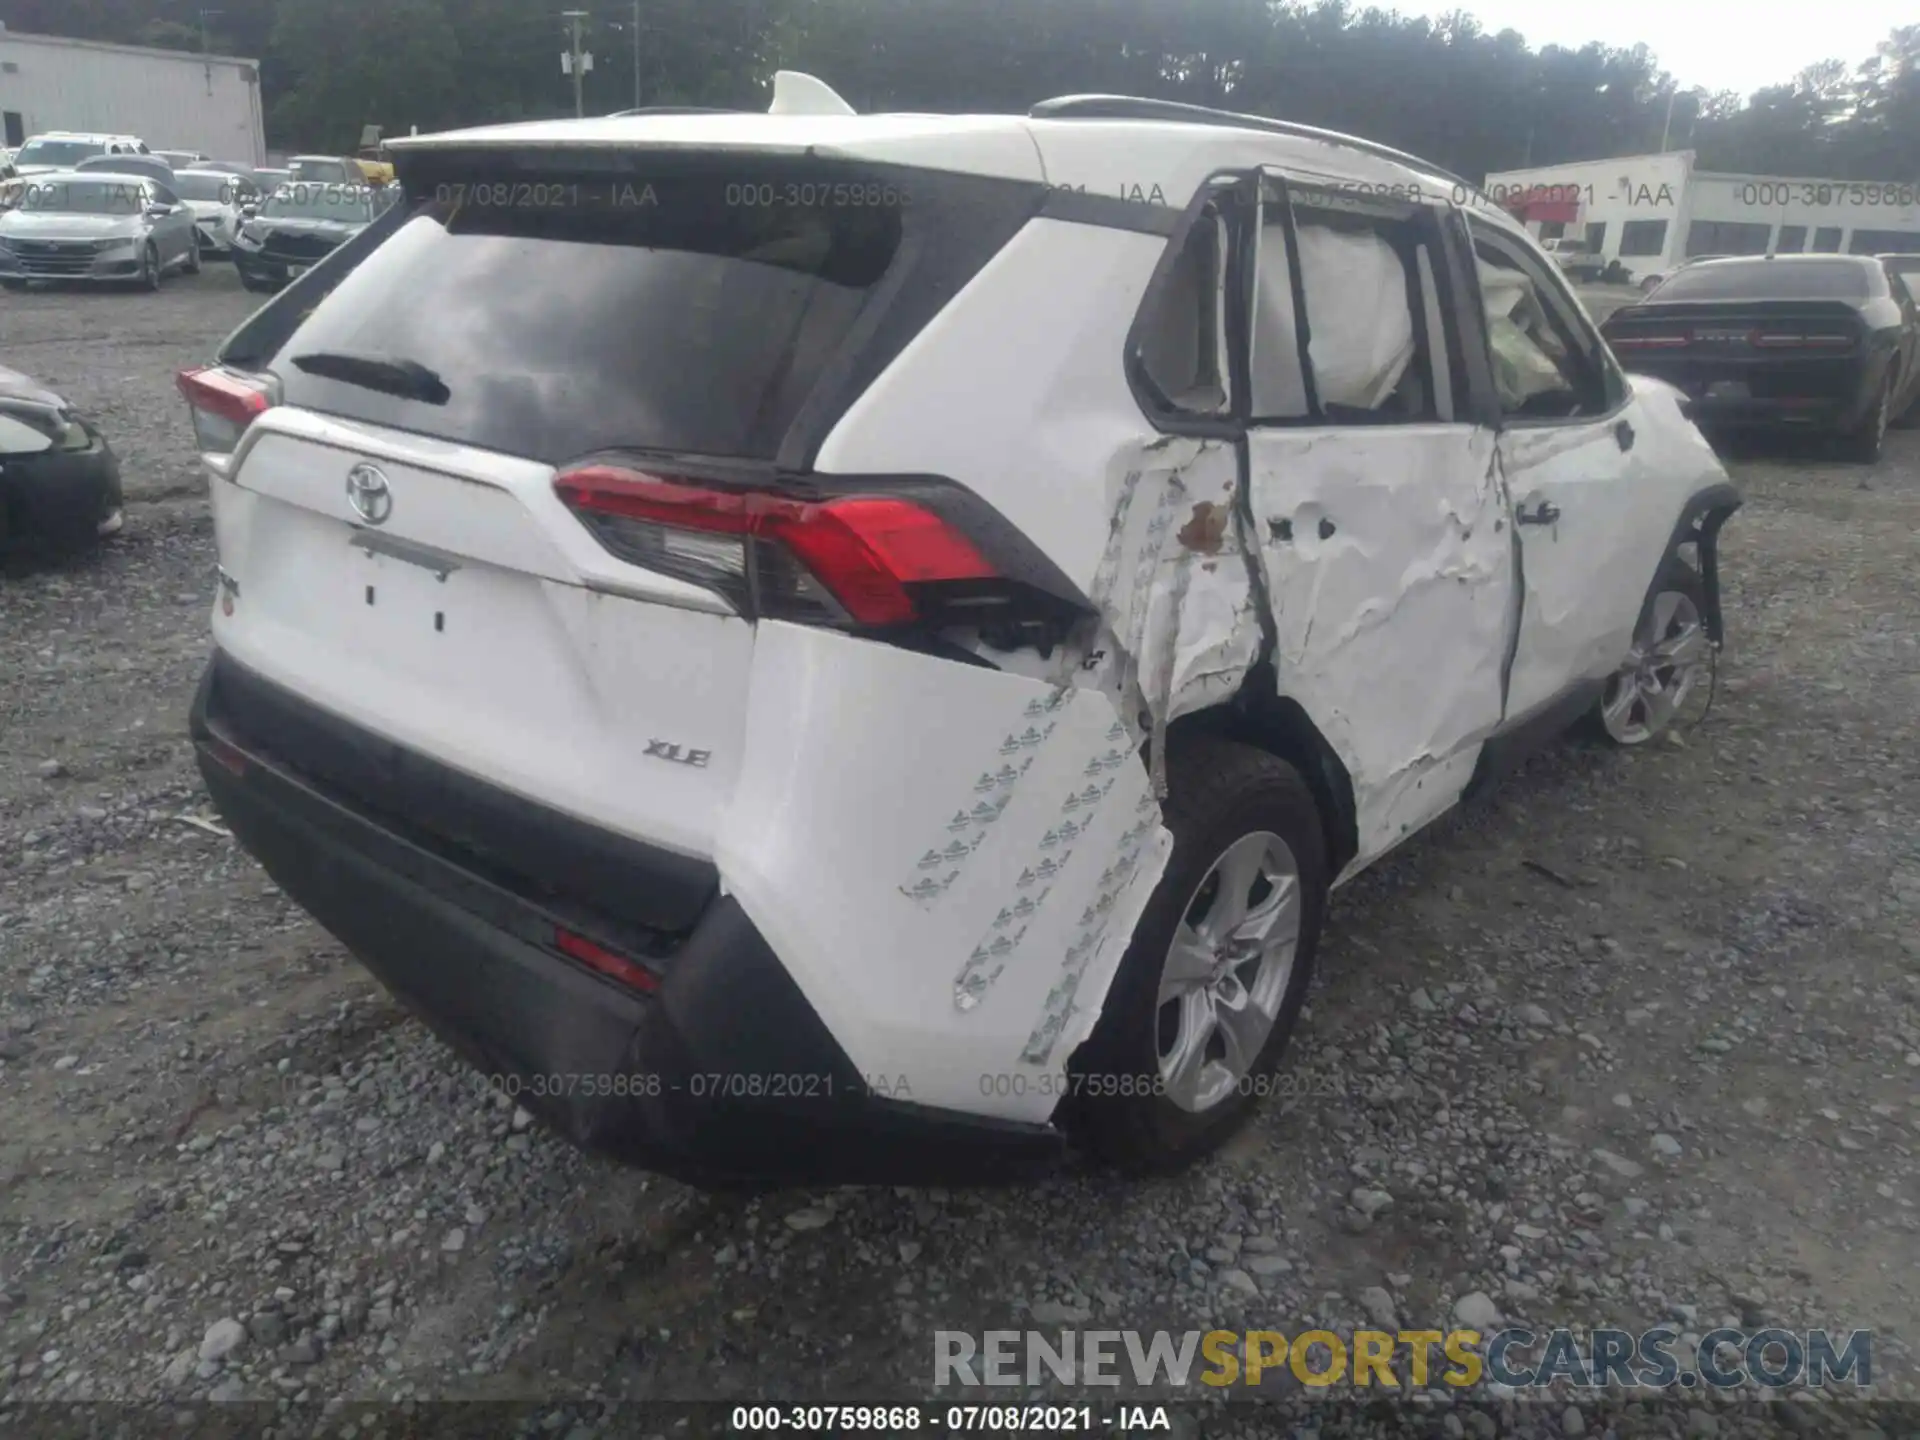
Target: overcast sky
x,y
1718,44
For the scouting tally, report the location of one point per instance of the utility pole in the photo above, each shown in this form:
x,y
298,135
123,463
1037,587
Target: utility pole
x,y
1667,128
636,54
206,45
575,61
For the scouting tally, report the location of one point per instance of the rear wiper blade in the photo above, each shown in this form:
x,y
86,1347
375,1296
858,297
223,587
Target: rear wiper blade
x,y
391,375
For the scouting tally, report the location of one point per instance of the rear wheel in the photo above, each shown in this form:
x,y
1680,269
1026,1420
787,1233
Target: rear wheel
x,y
1207,996
1670,653
1865,443
150,268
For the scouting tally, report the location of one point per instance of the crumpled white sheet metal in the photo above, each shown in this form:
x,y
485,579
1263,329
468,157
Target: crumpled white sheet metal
x,y
1392,624
1038,791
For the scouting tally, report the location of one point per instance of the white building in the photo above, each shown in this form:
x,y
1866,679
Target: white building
x,y
169,98
1652,211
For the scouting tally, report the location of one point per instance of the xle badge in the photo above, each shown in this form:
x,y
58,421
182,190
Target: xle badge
x,y
661,750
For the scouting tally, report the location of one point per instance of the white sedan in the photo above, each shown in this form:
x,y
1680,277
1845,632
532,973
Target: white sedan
x,y
215,197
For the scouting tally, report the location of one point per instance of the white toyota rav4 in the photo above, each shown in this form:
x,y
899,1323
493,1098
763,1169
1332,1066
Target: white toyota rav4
x,y
819,647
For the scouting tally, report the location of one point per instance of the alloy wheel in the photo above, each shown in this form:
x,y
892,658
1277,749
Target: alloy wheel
x,y
1647,692
1226,971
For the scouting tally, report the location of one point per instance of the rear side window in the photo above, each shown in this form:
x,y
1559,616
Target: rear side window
x,y
570,314
1769,280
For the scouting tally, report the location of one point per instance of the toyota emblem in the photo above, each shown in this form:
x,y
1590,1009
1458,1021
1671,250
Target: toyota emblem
x,y
369,494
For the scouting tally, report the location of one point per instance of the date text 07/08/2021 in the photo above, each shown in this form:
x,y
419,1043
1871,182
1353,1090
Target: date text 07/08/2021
x,y
953,1419
739,1085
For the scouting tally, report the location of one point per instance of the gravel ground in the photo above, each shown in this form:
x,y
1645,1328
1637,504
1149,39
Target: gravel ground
x,y
1636,1039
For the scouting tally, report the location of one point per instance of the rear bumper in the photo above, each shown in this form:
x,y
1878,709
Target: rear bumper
x,y
1753,414
725,1076
1823,397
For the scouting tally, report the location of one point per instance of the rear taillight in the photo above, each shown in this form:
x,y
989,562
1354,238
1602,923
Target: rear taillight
x,y
223,405
598,958
868,560
1785,341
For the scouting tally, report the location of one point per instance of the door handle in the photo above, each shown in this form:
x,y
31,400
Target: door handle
x,y
1623,432
1545,513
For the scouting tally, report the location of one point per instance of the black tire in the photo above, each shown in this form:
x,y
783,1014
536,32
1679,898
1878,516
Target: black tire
x,y
12,284
1675,575
150,267
1866,440
1908,418
1219,791
192,267
247,282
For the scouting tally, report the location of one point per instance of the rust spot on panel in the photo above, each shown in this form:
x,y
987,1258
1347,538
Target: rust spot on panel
x,y
1206,528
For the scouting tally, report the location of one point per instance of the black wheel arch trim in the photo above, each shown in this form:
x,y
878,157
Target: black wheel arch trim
x,y
1701,519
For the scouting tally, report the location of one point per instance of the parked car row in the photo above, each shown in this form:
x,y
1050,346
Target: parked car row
x,y
69,151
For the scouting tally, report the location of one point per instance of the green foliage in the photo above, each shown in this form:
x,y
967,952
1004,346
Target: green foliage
x,y
1448,89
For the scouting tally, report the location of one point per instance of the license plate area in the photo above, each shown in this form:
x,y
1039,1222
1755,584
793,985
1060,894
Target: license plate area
x,y
404,588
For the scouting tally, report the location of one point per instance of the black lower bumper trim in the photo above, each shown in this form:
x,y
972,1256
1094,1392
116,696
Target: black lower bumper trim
x,y
632,884
725,1077
58,496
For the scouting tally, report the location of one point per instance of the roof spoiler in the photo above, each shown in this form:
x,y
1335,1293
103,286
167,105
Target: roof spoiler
x,y
795,93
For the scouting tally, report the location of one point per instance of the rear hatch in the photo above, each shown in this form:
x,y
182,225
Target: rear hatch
x,y
489,501
1765,349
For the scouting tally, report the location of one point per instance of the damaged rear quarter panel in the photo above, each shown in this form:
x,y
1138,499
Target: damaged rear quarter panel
x,y
949,860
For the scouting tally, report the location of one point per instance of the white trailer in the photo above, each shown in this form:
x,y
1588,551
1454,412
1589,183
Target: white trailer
x,y
171,99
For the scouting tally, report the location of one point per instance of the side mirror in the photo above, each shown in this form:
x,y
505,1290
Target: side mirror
x,y
158,211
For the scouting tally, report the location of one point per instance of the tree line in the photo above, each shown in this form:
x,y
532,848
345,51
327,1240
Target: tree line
x,y
1471,100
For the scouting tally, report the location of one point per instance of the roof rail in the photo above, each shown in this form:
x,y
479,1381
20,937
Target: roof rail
x,y
675,110
1127,107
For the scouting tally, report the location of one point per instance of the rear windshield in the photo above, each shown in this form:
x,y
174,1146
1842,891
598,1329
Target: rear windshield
x,y
691,313
223,188
57,152
1770,280
321,170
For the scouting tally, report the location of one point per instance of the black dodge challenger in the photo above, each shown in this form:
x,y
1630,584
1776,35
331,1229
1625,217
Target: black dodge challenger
x,y
1827,343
